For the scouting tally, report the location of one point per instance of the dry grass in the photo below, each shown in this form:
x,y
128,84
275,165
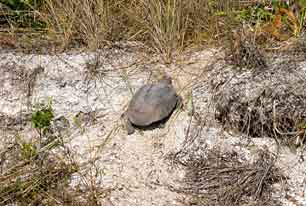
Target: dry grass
x,y
86,21
245,52
266,97
31,176
168,26
41,170
222,179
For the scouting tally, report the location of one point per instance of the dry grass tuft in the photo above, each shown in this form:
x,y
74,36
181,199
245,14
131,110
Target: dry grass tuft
x,y
262,102
47,176
85,21
244,51
166,23
32,176
222,179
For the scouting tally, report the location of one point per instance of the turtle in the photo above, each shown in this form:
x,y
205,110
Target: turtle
x,y
151,104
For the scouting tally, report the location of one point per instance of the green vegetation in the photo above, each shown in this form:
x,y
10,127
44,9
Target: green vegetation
x,y
30,176
256,14
18,5
41,119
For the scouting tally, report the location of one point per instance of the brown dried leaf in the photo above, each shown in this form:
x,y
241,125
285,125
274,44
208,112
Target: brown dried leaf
x,y
277,23
292,19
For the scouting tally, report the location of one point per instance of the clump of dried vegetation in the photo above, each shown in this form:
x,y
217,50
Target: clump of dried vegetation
x,y
266,98
222,178
245,52
31,176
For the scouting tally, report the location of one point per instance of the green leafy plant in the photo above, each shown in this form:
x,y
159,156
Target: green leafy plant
x,y
257,14
279,4
41,119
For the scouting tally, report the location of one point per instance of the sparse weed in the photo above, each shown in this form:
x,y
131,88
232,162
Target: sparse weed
x,y
93,68
41,119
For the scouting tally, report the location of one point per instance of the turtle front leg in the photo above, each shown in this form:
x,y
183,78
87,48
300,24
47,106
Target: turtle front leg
x,y
179,103
162,125
127,124
129,127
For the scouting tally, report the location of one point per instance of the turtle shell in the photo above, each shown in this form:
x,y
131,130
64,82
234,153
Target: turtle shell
x,y
152,103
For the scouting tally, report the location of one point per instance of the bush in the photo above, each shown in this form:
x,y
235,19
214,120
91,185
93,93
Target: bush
x,y
19,5
22,14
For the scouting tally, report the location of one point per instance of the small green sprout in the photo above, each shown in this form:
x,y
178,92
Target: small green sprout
x,y
41,119
28,151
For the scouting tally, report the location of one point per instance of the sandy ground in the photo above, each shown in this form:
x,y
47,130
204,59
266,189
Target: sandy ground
x,y
92,96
